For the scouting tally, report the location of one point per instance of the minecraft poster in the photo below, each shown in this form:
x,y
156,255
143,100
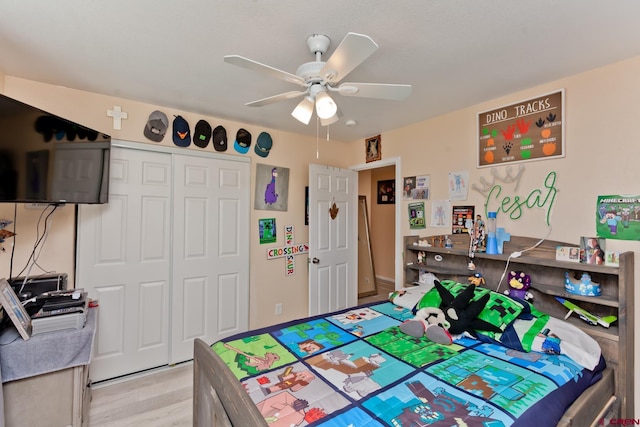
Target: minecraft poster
x,y
618,217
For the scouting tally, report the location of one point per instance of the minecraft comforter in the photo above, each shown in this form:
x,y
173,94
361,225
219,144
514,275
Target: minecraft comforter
x,y
356,368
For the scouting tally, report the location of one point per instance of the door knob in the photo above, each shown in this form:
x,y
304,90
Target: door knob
x,y
315,260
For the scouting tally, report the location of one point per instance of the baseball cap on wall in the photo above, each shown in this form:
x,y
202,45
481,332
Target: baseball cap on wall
x,y
156,126
264,143
243,141
181,132
220,138
202,133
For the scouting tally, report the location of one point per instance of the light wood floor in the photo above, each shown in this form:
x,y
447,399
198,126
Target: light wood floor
x,y
161,397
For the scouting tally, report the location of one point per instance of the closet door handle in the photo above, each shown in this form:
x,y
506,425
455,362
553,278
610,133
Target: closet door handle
x,y
315,260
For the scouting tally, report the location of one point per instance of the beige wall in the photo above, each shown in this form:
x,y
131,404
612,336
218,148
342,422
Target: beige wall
x,y
268,283
382,224
602,152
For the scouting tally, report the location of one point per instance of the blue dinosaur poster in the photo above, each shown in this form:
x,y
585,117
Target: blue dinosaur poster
x,y
272,188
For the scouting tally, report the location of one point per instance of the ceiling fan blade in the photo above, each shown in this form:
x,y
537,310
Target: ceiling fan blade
x,y
394,92
262,68
351,52
276,98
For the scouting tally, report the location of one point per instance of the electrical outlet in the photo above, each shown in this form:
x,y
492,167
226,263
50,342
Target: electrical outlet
x,y
278,309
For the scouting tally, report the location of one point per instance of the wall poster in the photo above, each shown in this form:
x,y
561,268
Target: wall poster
x,y
528,130
416,215
462,217
272,188
618,217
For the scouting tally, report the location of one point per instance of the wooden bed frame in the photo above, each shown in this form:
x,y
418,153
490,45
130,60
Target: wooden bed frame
x,y
220,400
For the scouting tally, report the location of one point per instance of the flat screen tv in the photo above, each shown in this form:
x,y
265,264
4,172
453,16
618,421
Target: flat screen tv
x,y
47,159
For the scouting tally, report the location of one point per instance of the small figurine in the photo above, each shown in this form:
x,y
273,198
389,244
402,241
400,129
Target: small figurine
x,y
477,235
551,343
421,257
476,279
519,284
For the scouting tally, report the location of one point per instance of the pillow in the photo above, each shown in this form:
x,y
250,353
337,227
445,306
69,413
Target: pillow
x,y
409,297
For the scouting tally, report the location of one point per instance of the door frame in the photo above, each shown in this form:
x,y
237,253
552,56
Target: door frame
x,y
391,161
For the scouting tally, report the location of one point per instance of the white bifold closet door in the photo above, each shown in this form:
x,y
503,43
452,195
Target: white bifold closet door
x,y
167,257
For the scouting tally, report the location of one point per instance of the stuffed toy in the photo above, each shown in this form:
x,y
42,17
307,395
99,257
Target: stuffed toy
x,y
519,284
477,279
462,313
430,322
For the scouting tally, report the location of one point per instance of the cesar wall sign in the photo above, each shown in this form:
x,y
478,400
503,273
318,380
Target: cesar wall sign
x,y
527,130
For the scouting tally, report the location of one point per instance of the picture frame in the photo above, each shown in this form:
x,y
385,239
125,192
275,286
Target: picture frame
x,y
527,130
14,309
387,192
592,250
373,149
267,230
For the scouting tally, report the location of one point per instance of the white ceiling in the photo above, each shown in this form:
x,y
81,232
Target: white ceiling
x,y
454,53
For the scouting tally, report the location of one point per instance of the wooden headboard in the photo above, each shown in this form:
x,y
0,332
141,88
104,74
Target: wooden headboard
x,y
538,259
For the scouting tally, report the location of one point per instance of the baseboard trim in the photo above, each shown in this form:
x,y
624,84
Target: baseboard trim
x,y
385,282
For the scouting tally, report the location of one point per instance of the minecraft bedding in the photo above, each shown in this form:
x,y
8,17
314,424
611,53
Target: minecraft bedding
x,y
356,368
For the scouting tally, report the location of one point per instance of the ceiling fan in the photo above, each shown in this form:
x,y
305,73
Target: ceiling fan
x,y
318,78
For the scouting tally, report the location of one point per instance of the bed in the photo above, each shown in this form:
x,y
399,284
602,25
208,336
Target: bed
x,y
355,367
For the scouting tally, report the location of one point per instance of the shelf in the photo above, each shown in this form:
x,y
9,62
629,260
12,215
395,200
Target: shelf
x,y
611,333
438,270
559,292
524,259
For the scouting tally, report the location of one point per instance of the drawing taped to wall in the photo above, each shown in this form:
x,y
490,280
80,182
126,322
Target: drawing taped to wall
x,y
458,185
441,213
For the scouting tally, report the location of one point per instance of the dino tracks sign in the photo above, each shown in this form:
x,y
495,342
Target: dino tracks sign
x,y
527,130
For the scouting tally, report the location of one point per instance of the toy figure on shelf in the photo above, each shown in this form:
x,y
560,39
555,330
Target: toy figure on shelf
x,y
421,257
477,239
519,284
476,279
583,314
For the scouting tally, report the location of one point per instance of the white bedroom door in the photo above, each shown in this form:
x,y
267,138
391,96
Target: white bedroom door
x,y
210,287
124,259
333,236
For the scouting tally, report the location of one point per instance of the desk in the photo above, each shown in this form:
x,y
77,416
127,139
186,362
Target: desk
x,y
46,378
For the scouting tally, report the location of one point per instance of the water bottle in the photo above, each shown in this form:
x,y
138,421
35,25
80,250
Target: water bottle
x,y
492,242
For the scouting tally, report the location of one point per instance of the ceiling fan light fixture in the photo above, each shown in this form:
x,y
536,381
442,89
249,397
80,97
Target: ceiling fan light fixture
x,y
304,110
331,120
325,106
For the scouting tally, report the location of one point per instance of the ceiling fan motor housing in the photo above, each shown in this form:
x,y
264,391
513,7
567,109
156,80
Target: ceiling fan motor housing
x,y
310,71
318,43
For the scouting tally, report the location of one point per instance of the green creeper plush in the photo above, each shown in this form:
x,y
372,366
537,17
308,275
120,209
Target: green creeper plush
x,y
462,313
